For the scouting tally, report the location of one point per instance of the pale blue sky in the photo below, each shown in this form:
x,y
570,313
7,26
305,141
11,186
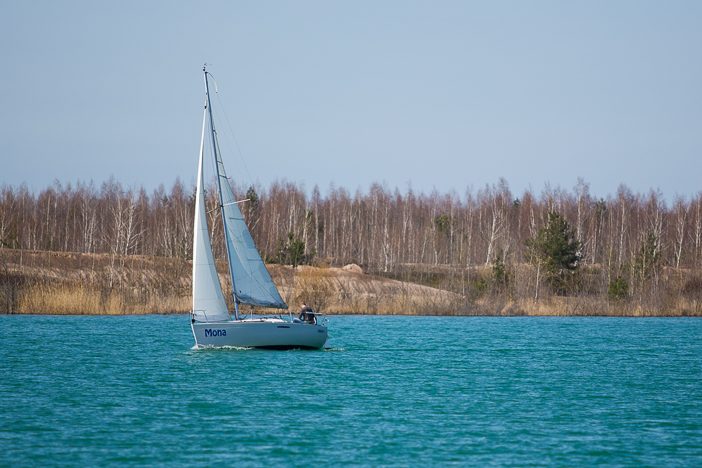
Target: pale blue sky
x,y
436,94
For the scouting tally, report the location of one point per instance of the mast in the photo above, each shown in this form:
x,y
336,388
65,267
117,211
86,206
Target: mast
x,y
219,190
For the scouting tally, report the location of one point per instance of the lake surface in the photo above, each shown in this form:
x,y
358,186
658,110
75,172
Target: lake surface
x,y
101,391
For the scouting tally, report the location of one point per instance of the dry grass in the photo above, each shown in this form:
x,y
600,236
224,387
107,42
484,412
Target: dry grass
x,y
82,300
70,283
339,291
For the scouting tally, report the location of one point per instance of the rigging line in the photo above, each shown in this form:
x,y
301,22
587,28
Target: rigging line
x,y
261,285
223,172
209,153
236,141
237,202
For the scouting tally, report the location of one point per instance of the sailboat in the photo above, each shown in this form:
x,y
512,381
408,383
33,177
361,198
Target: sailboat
x,y
251,283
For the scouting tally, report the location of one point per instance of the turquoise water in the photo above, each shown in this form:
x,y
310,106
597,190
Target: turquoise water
x,y
99,391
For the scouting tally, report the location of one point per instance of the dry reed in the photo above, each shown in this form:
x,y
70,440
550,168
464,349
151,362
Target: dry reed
x,y
59,283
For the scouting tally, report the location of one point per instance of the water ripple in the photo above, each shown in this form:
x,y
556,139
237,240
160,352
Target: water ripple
x,y
386,391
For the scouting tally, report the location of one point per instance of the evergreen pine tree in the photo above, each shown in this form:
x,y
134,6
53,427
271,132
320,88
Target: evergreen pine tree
x,y
556,251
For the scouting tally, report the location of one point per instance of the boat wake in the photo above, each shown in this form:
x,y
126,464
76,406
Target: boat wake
x,y
220,348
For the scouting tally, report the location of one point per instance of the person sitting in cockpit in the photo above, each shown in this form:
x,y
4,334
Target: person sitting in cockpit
x,y
307,314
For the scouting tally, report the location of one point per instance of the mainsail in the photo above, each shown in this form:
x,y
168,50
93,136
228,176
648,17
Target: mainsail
x,y
251,282
208,300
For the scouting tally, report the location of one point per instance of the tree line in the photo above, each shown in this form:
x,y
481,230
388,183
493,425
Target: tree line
x,y
490,240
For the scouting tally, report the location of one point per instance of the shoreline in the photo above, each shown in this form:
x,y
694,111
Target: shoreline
x,y
103,284
367,314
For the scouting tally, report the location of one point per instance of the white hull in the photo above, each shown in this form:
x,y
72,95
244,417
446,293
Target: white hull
x,y
276,334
